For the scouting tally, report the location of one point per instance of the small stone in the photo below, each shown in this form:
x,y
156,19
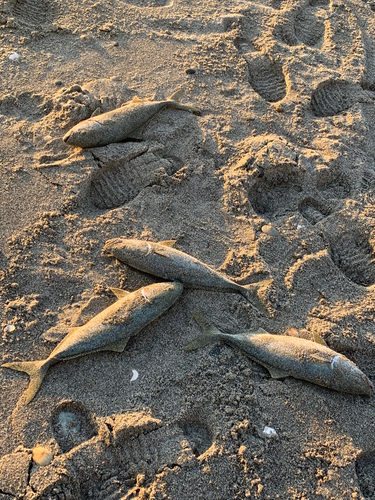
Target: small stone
x,y
58,82
190,71
270,230
42,456
115,44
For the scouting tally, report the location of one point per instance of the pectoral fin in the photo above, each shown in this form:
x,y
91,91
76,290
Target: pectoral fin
x,y
318,339
161,251
137,134
275,372
168,243
118,346
119,292
177,96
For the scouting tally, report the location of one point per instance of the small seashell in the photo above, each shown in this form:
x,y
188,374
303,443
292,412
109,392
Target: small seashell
x,y
269,431
42,456
135,375
270,230
14,56
9,329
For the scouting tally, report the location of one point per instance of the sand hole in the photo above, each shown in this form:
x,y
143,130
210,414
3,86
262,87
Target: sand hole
x,y
365,469
312,210
266,77
271,198
331,97
354,255
72,425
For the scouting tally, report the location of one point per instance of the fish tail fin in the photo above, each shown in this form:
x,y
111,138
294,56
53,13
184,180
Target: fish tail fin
x,y
210,333
176,99
35,369
255,293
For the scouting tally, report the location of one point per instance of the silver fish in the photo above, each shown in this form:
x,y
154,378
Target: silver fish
x,y
161,260
109,330
122,123
285,356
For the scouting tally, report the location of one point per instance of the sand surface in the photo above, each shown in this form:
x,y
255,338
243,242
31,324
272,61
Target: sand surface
x,y
285,137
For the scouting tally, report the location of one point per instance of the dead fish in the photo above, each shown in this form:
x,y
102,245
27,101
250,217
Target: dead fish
x,y
109,330
285,356
161,260
122,123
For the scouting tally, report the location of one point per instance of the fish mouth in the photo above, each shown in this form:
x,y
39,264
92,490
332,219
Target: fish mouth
x,y
67,137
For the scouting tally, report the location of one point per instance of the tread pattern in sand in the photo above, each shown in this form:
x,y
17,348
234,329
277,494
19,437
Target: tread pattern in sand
x,y
266,77
116,185
312,210
270,198
72,425
354,256
331,97
149,3
34,12
308,29
365,469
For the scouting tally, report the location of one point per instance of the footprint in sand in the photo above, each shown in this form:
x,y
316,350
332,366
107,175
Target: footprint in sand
x,y
331,97
72,425
353,254
365,469
34,12
313,210
197,431
266,77
308,28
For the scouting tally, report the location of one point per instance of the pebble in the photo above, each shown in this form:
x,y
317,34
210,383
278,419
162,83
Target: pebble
x,y
58,82
42,456
269,431
270,230
9,329
190,71
14,57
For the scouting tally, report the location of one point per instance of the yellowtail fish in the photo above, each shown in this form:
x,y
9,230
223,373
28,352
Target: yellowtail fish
x,y
122,123
285,356
110,330
160,259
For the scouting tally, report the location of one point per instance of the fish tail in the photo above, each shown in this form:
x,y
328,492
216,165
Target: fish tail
x,y
255,293
36,371
176,99
210,333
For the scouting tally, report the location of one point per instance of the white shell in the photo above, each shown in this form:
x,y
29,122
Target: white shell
x,y
270,230
135,375
14,56
269,431
9,328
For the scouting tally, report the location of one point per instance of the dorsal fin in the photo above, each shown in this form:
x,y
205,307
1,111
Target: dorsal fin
x,y
168,243
318,339
119,292
177,95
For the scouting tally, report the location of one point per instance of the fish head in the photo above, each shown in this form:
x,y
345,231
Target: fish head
x,y
349,378
86,134
162,295
128,251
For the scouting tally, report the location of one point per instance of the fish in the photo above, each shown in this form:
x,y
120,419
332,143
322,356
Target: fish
x,y
110,330
126,122
285,356
160,259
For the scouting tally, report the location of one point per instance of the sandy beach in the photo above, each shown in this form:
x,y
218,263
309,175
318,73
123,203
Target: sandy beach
x,y
274,179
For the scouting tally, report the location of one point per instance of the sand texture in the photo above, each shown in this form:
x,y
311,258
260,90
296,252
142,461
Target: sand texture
x,y
285,138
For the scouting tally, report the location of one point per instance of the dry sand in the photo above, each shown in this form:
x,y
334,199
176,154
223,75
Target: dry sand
x,y
286,137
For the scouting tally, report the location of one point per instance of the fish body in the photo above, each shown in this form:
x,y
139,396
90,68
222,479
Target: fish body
x,y
110,330
285,356
121,123
161,260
